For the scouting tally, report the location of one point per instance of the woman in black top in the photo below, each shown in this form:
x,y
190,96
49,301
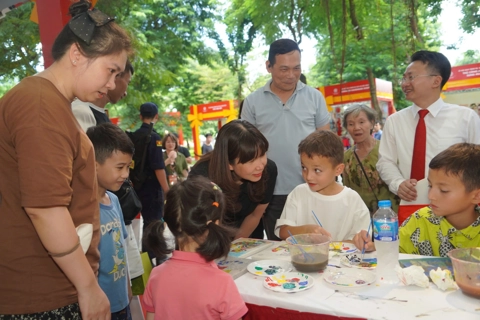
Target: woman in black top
x,y
239,166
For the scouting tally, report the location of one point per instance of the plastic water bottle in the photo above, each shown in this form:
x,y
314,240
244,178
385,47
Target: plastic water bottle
x,y
385,233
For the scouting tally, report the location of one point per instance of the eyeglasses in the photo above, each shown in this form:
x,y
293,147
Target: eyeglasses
x,y
410,79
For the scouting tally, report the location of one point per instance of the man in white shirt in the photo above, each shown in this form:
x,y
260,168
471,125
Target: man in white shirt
x,y
446,124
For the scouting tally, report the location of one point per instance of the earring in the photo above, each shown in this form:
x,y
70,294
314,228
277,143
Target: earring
x,y
74,61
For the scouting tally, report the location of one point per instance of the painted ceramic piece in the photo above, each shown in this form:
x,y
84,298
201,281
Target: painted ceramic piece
x,y
346,277
353,261
342,247
289,282
267,268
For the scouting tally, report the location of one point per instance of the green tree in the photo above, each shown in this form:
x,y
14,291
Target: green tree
x,y
20,52
469,56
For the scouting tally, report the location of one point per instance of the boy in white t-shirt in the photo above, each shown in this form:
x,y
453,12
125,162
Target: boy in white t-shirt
x,y
340,210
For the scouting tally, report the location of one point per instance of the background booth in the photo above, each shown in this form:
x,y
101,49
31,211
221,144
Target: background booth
x,y
223,111
463,87
339,96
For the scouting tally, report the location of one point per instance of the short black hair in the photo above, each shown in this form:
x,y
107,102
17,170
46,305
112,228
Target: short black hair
x,y
323,143
108,138
281,46
436,62
460,160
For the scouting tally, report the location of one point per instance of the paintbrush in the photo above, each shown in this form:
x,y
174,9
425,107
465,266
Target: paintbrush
x,y
365,243
316,218
306,255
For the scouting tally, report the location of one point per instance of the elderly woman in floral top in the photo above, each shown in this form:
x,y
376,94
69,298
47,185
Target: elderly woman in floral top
x,y
359,120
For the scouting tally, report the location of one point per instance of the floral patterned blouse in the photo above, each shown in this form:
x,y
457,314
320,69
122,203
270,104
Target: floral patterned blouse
x,y
354,178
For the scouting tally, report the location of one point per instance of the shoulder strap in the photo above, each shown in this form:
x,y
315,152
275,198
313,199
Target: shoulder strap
x,y
364,173
148,138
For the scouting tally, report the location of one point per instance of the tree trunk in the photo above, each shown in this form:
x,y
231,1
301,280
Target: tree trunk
x,y
373,92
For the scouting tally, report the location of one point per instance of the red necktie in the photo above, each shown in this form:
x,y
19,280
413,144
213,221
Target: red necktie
x,y
419,148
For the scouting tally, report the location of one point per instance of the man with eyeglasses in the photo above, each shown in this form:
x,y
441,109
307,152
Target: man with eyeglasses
x,y
414,135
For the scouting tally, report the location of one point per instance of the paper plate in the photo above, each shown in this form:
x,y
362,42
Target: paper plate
x,y
342,247
367,264
267,268
288,282
346,277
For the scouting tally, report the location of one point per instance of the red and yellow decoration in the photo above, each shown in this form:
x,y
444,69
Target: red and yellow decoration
x,y
209,111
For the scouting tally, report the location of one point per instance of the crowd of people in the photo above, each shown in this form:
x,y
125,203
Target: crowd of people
x,y
69,253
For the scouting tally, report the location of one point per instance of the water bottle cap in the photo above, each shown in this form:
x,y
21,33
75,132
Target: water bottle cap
x,y
384,203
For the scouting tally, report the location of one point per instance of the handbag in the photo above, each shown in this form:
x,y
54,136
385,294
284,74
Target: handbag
x,y
140,283
129,201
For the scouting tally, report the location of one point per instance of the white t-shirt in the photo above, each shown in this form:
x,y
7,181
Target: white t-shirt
x,y
447,124
343,214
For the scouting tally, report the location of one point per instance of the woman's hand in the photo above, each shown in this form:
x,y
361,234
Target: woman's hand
x,y
363,239
93,303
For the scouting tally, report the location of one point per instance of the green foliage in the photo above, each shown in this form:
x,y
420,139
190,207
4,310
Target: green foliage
x,y
167,35
20,52
469,56
471,15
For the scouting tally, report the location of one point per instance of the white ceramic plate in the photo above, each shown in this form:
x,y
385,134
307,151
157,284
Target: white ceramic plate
x,y
340,247
289,282
267,268
346,277
367,264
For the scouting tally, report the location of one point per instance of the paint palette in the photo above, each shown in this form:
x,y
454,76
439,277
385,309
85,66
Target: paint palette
x,y
339,247
266,268
350,277
289,282
366,264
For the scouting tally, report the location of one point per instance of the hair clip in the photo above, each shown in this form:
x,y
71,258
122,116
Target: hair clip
x,y
83,25
215,203
215,186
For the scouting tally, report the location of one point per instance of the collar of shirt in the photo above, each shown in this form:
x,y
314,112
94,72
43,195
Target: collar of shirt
x,y
191,257
433,109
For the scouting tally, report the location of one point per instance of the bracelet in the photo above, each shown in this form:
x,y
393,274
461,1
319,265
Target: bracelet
x,y
62,254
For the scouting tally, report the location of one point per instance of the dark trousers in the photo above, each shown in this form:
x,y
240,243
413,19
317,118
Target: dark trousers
x,y
258,232
152,209
124,314
152,205
273,212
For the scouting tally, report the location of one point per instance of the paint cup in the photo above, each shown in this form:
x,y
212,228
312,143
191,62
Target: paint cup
x,y
309,252
466,267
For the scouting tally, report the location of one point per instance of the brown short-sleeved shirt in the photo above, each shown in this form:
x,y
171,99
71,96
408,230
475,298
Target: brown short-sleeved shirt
x,y
46,160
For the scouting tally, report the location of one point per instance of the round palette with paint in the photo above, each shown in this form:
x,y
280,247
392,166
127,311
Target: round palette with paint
x,y
289,282
366,264
346,277
342,247
267,268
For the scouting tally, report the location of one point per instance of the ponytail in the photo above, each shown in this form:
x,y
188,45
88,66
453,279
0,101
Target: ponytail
x,y
217,242
154,240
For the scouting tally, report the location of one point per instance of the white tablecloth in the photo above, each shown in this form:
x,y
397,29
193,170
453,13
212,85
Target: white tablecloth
x,y
324,298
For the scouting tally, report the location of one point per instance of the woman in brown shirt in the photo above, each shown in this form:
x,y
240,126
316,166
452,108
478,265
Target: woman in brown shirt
x,y
47,176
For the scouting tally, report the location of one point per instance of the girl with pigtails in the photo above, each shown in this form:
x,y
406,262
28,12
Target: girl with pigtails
x,y
197,289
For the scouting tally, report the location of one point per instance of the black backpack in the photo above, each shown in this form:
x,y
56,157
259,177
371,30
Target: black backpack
x,y
140,141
